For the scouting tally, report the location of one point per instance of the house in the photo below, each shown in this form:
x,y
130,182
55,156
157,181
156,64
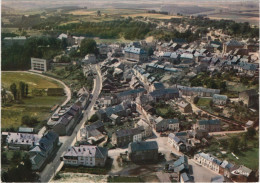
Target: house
x,y
21,141
143,151
219,99
130,94
249,124
160,124
135,54
123,137
184,107
212,125
43,150
180,165
187,59
176,142
208,161
86,155
226,169
38,64
148,131
64,125
184,177
174,124
123,109
163,94
249,97
89,59
231,45
156,86
242,174
93,133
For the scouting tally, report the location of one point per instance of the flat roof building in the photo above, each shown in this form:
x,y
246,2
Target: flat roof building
x,y
38,64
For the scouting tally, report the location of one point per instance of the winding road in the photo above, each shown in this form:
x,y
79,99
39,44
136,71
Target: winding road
x,y
53,167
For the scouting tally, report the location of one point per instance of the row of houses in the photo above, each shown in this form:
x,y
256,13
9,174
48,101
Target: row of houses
x,y
198,91
66,122
225,168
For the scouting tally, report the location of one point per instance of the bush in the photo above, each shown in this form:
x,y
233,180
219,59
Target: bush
x,y
93,118
29,121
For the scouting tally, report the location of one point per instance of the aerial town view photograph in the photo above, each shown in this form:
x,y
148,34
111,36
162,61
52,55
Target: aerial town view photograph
x,y
100,91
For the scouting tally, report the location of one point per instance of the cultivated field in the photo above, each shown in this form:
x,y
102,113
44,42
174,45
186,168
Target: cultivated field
x,y
33,106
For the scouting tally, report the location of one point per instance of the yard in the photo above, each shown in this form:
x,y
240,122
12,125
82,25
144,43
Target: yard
x,y
248,157
38,107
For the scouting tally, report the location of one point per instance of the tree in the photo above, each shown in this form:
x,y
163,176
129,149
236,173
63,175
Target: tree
x,y
3,95
64,43
4,158
233,144
98,13
150,51
14,90
26,90
17,157
93,118
22,89
88,46
29,121
243,142
251,132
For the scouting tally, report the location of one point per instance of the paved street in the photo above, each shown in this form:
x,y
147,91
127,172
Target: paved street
x,y
200,173
47,174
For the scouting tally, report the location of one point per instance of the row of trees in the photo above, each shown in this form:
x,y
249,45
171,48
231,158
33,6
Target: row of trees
x,y
128,28
21,168
21,92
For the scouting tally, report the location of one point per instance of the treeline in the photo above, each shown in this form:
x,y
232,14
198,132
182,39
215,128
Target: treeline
x,y
229,26
17,57
164,35
37,21
158,12
127,28
21,168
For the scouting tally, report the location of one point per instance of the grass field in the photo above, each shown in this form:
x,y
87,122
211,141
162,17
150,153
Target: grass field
x,y
33,106
248,157
238,87
204,102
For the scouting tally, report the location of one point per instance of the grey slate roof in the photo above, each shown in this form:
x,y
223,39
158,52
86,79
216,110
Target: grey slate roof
x,y
158,93
209,122
220,97
143,146
131,92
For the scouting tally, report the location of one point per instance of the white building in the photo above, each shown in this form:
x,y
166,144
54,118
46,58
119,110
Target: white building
x,y
219,99
85,155
38,64
23,141
208,161
176,142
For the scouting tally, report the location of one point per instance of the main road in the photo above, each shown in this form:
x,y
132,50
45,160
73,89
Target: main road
x,y
53,167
